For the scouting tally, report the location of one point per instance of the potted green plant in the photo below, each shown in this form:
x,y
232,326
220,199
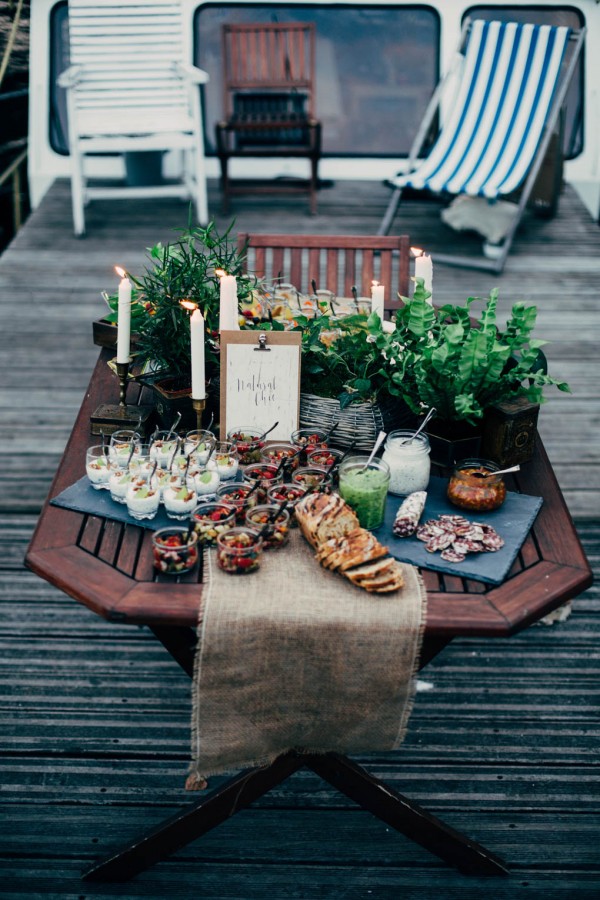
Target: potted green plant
x,y
181,276
462,365
346,378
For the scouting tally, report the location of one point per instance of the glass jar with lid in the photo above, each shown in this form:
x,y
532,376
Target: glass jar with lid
x,y
409,462
475,485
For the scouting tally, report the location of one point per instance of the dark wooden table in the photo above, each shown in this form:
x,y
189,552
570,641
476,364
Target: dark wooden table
x,y
107,566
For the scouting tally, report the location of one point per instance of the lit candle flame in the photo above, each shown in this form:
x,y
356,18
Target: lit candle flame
x,y
220,272
374,283
120,272
188,304
416,251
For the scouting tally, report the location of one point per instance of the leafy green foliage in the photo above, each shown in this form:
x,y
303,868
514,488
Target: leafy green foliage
x,y
181,270
447,359
345,357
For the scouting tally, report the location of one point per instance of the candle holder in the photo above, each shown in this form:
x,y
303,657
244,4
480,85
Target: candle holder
x,y
109,417
199,407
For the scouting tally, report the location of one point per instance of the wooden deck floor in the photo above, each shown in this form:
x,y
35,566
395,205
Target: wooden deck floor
x,y
94,717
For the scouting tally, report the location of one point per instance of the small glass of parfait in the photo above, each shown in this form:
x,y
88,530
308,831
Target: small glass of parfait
x,y
266,474
236,493
97,466
143,495
121,473
227,460
200,443
276,453
247,444
277,493
239,551
328,459
209,520
174,550
179,496
206,479
121,442
278,532
163,446
311,477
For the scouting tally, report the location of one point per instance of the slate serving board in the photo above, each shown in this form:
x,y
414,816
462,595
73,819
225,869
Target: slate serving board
x,y
82,497
512,521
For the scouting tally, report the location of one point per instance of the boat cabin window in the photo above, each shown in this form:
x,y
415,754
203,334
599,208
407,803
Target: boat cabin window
x,y
550,15
375,70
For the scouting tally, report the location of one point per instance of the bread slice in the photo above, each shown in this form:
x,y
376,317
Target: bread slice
x,y
382,577
324,516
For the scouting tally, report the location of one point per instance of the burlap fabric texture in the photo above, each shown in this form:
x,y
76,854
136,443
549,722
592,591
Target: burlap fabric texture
x,y
295,657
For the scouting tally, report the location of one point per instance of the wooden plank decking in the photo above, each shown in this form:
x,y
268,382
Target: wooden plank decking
x,y
504,745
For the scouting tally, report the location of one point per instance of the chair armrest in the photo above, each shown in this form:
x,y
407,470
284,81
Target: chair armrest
x,y
70,77
191,73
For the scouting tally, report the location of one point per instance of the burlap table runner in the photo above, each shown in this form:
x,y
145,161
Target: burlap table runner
x,y
296,657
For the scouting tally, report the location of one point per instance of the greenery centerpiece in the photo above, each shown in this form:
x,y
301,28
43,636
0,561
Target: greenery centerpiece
x,y
462,365
181,275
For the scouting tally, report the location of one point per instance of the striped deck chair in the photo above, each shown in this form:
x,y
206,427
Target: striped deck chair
x,y
508,85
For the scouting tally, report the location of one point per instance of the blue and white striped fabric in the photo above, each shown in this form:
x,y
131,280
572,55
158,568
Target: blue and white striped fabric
x,y
509,76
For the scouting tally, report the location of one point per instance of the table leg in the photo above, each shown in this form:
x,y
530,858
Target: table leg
x,y
180,642
186,826
405,816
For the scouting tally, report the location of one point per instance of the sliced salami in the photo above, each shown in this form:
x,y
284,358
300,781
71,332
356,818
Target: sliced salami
x,y
409,513
451,555
439,542
492,541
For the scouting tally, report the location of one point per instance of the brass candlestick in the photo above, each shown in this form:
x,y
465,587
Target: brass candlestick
x,y
109,417
199,407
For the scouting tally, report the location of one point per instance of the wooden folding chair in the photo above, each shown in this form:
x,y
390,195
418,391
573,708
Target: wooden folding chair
x,y
268,78
334,262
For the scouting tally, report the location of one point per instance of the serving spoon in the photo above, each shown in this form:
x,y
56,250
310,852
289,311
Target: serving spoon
x,y
410,439
380,439
516,468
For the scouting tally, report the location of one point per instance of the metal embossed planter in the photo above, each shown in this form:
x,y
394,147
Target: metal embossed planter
x,y
359,422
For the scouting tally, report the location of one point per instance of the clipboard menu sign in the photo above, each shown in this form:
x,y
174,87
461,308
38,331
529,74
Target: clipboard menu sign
x,y
260,381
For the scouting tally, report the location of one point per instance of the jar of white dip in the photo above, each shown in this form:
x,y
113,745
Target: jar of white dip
x,y
409,462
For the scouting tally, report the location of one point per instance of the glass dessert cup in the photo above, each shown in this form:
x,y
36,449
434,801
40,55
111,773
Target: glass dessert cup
x,y
206,479
277,493
311,477
97,466
365,490
163,448
179,497
308,439
266,474
325,458
277,535
227,460
247,443
473,486
209,520
121,442
143,496
277,452
236,493
239,551
174,550
119,477
199,443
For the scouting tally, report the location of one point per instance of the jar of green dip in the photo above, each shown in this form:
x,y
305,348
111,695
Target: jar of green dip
x,y
365,489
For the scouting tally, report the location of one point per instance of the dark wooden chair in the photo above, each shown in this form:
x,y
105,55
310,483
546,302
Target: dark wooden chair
x,y
334,262
268,79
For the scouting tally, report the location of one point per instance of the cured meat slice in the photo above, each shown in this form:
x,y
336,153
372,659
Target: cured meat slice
x,y
409,513
439,542
451,555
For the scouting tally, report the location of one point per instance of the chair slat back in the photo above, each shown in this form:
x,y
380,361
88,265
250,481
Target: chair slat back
x,y
269,57
126,52
334,262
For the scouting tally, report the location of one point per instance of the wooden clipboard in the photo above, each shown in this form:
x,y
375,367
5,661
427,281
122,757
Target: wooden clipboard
x,y
260,381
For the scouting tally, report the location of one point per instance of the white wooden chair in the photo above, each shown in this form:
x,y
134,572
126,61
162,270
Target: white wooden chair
x,y
129,89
